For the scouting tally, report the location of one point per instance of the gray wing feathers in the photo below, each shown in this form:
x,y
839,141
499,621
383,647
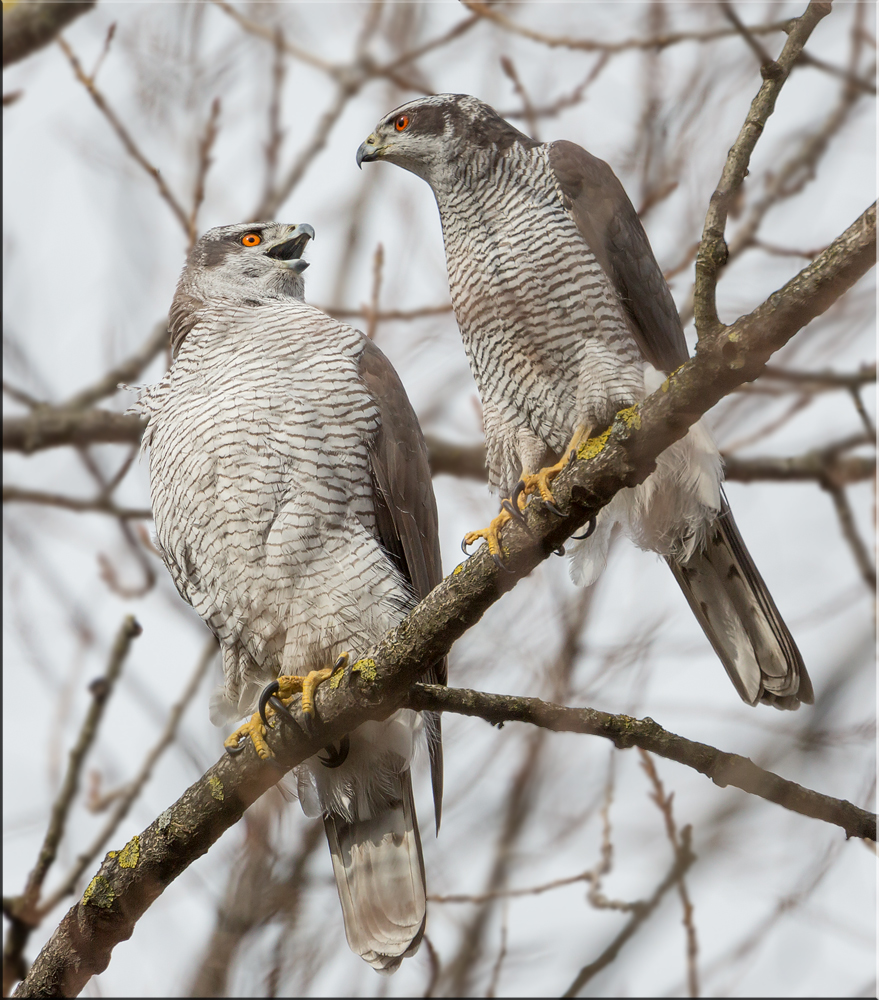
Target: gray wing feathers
x,y
612,230
736,611
379,873
406,512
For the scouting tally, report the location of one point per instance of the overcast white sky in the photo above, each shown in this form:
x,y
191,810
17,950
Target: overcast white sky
x,y
91,258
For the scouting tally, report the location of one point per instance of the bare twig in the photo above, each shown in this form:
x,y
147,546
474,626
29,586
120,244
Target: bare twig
x,y
862,412
48,427
392,315
20,396
723,768
372,309
435,967
566,100
105,51
276,133
309,149
663,803
103,505
712,255
127,795
683,859
827,379
534,890
852,79
204,162
527,111
850,533
594,45
22,911
502,954
127,371
130,146
746,33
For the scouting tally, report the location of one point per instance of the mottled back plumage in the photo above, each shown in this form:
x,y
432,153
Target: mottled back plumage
x,y
566,319
294,509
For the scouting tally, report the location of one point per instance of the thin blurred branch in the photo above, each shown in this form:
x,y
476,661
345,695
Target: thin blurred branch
x,y
594,45
102,505
664,804
371,310
205,146
22,911
276,132
458,971
309,148
752,42
528,111
128,370
534,890
19,395
713,253
48,427
565,101
821,465
130,146
29,26
850,533
125,796
684,858
392,315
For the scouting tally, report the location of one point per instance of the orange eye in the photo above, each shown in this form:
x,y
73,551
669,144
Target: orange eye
x,y
401,123
251,239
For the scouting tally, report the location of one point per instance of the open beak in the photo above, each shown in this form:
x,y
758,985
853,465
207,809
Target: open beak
x,y
289,250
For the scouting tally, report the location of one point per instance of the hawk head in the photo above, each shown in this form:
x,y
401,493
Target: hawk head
x,y
428,134
252,263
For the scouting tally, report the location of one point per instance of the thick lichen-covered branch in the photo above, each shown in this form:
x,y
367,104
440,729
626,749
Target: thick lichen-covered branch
x,y
380,681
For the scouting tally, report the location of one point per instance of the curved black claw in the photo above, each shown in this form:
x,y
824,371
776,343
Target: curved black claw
x,y
590,528
517,515
234,751
268,692
552,507
334,757
464,544
560,551
309,723
499,563
511,506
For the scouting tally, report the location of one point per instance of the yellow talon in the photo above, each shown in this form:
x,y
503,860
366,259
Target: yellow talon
x,y
538,482
256,731
491,534
288,686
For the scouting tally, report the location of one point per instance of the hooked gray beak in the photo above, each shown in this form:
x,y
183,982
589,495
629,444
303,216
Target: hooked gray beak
x,y
368,151
289,251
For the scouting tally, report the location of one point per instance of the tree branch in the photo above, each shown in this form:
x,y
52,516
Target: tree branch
x,y
375,685
28,27
21,910
48,427
684,857
712,253
623,731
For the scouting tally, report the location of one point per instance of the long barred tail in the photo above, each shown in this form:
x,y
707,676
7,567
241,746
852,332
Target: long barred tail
x,y
379,873
740,619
